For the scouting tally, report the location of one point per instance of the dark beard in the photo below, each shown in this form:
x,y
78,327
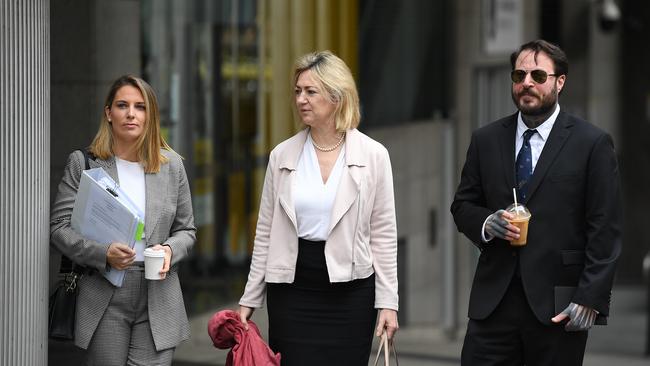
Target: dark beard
x,y
545,109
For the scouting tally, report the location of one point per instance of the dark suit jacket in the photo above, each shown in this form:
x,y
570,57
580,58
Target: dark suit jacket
x,y
574,236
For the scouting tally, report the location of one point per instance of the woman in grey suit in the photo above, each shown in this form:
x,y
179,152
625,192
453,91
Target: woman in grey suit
x,y
142,321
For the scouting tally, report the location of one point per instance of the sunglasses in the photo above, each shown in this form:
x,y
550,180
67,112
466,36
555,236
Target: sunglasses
x,y
539,76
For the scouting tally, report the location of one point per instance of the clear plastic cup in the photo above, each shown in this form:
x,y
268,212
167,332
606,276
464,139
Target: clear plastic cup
x,y
521,218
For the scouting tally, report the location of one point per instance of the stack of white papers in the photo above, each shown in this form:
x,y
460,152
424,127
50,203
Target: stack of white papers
x,y
104,213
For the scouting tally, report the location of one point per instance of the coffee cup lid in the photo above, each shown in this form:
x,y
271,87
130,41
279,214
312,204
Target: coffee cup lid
x,y
151,252
518,209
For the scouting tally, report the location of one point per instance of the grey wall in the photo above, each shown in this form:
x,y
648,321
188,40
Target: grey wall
x,y
634,122
25,167
416,161
95,42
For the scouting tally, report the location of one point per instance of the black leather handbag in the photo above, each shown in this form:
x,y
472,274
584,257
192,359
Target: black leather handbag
x,y
63,302
63,306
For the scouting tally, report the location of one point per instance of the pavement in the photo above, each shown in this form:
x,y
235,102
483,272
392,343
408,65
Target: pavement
x,y
622,342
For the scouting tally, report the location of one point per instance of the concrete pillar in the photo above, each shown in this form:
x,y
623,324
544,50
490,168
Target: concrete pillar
x,y
324,29
24,180
604,104
302,28
347,47
281,60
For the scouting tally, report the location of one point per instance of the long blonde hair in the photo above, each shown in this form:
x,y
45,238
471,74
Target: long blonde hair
x,y
149,143
336,79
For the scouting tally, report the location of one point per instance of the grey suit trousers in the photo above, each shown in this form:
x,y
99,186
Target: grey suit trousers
x,y
123,335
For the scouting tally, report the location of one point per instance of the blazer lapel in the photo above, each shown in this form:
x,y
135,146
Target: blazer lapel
x,y
552,147
347,193
287,163
156,191
350,185
286,199
508,138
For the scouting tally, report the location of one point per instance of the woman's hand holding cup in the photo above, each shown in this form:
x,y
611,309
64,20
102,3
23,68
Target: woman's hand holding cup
x,y
167,258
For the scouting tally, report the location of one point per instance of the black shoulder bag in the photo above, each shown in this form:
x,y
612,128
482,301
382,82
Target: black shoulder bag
x,y
63,302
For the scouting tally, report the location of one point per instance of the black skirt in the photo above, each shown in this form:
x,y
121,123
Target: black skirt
x,y
314,322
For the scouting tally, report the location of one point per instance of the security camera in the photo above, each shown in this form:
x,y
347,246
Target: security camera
x,y
609,15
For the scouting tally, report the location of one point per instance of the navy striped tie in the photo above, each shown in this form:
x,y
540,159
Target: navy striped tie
x,y
524,166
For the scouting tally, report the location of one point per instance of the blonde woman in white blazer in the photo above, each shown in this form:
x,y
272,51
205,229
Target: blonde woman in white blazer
x,y
325,252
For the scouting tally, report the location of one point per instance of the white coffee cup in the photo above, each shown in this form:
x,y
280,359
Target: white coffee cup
x,y
153,263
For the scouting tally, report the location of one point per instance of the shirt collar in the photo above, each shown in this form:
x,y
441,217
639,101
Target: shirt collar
x,y
544,129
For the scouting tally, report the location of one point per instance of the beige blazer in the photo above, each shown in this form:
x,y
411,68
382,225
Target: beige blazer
x,y
168,220
362,235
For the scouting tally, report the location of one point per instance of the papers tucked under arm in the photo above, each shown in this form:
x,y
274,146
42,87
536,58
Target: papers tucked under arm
x,y
104,213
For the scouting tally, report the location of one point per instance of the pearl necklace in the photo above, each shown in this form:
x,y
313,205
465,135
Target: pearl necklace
x,y
328,149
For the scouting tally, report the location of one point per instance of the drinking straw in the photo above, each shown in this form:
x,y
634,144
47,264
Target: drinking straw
x,y
514,194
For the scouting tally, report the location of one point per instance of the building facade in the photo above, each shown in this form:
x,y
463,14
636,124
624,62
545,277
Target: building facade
x,y
428,74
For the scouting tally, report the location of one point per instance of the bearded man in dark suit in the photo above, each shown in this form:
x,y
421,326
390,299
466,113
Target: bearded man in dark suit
x,y
533,304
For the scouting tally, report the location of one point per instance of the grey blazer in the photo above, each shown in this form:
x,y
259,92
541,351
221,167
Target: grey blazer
x,y
168,220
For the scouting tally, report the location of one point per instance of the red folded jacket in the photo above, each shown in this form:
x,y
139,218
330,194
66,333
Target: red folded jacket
x,y
247,347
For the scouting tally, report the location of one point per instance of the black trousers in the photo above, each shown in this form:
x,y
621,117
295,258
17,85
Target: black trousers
x,y
512,335
314,322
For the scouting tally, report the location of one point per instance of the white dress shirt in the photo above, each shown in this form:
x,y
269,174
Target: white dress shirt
x,y
537,142
313,199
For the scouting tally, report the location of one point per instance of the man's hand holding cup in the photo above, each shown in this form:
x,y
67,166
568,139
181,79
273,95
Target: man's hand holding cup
x,y
510,224
498,225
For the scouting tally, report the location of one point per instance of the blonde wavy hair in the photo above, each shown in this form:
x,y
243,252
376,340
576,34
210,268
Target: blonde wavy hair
x,y
335,78
149,143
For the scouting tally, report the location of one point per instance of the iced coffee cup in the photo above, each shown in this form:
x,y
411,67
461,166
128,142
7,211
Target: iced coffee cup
x,y
520,220
153,263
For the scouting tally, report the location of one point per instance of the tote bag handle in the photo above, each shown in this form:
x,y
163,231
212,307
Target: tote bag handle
x,y
386,348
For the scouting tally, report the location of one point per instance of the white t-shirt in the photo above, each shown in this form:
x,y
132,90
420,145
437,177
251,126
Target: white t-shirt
x,y
131,176
313,199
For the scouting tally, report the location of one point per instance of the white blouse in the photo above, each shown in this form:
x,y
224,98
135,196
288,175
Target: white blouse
x,y
131,176
314,199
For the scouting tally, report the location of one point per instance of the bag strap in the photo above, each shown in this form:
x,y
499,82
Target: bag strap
x,y
387,348
68,266
87,157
